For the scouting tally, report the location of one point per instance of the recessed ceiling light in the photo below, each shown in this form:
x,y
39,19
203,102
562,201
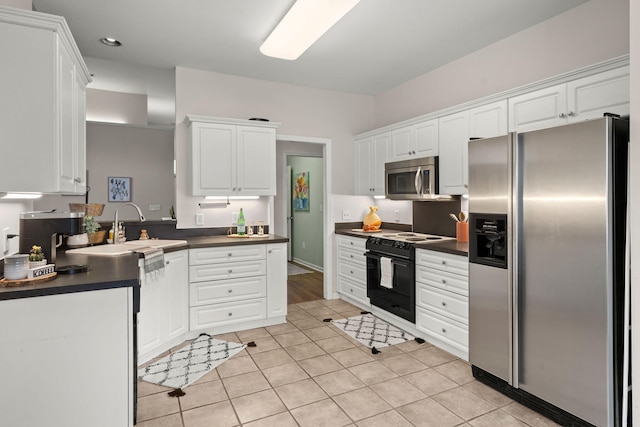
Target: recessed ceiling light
x,y
109,41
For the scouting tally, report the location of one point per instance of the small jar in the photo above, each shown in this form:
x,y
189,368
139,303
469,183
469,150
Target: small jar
x,y
16,267
143,235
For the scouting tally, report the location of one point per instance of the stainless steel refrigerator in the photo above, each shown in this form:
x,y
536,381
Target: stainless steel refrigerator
x,y
546,274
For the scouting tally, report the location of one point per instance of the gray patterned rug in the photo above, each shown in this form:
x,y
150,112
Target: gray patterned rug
x,y
372,331
187,365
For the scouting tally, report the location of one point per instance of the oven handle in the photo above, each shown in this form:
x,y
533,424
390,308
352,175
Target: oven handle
x,y
399,261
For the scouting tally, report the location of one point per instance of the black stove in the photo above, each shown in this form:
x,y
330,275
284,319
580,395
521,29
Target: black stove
x,y
394,254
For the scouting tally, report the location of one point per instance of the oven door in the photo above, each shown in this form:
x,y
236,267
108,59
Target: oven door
x,y
400,298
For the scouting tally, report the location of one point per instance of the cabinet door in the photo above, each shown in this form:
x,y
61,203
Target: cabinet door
x,y
176,295
66,130
454,139
537,110
426,135
213,159
402,144
277,279
488,120
380,154
256,161
607,92
363,167
80,125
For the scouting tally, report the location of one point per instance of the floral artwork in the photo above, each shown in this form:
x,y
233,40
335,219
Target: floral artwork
x,y
119,189
301,192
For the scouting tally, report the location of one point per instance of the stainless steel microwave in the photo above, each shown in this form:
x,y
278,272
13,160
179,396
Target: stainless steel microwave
x,y
414,179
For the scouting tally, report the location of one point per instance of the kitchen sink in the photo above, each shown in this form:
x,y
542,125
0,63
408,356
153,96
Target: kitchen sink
x,y
126,247
156,243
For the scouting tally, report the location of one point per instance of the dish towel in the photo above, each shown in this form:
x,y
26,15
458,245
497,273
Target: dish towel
x,y
153,262
386,273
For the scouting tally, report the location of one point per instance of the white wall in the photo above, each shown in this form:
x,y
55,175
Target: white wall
x,y
587,34
302,111
10,217
144,154
358,207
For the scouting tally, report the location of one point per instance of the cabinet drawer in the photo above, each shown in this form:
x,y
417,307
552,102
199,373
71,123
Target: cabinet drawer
x,y
354,272
353,289
447,330
443,280
352,256
213,315
353,243
212,292
448,304
200,273
226,254
442,261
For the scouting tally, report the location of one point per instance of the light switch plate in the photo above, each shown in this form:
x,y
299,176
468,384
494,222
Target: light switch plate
x,y
154,207
346,214
234,218
200,219
396,214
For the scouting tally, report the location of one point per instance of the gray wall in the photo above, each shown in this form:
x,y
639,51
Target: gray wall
x,y
307,246
144,154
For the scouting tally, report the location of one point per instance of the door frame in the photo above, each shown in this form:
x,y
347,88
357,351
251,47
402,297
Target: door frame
x,y
326,202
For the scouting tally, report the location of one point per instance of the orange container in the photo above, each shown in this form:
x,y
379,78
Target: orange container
x,y
462,232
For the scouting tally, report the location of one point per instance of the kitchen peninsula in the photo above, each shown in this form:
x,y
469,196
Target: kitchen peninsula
x,y
71,348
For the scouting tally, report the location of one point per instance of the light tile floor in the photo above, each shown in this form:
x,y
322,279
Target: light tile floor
x,y
308,373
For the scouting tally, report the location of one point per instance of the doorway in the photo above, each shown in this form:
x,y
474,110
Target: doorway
x,y
306,147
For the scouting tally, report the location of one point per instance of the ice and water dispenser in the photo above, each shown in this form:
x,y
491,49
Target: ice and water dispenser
x,y
488,239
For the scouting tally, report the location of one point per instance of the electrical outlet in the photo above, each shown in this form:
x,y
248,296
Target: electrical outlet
x,y
346,214
234,218
200,219
304,245
396,214
154,207
4,243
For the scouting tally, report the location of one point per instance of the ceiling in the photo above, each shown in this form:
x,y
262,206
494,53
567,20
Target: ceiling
x,y
378,45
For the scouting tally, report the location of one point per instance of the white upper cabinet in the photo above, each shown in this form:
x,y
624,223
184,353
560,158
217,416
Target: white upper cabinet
x,y
453,147
42,107
488,120
232,157
371,155
582,99
415,141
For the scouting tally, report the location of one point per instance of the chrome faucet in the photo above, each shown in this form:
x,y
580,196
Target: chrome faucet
x,y
116,237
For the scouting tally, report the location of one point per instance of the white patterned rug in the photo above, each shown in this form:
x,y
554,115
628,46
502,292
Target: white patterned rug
x,y
371,331
187,365
293,269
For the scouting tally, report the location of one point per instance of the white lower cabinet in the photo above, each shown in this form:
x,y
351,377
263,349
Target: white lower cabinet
x,y
442,300
237,287
352,269
164,317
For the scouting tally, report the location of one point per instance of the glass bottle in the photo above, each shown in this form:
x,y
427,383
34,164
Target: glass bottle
x,y
241,226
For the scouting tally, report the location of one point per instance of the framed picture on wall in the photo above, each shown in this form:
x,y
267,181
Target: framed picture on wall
x,y
119,189
301,192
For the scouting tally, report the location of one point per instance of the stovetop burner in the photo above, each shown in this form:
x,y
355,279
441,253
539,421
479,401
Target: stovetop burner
x,y
412,237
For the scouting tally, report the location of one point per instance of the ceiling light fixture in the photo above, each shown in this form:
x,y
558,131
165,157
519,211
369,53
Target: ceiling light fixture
x,y
110,41
306,22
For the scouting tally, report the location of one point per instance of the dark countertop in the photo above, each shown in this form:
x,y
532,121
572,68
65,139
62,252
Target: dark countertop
x,y
450,246
107,272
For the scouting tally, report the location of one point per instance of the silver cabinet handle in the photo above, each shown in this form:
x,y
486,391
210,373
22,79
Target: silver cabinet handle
x,y
351,256
229,254
413,152
230,290
444,262
270,251
230,271
444,304
230,314
351,271
571,114
239,189
78,180
444,330
167,262
562,115
444,281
